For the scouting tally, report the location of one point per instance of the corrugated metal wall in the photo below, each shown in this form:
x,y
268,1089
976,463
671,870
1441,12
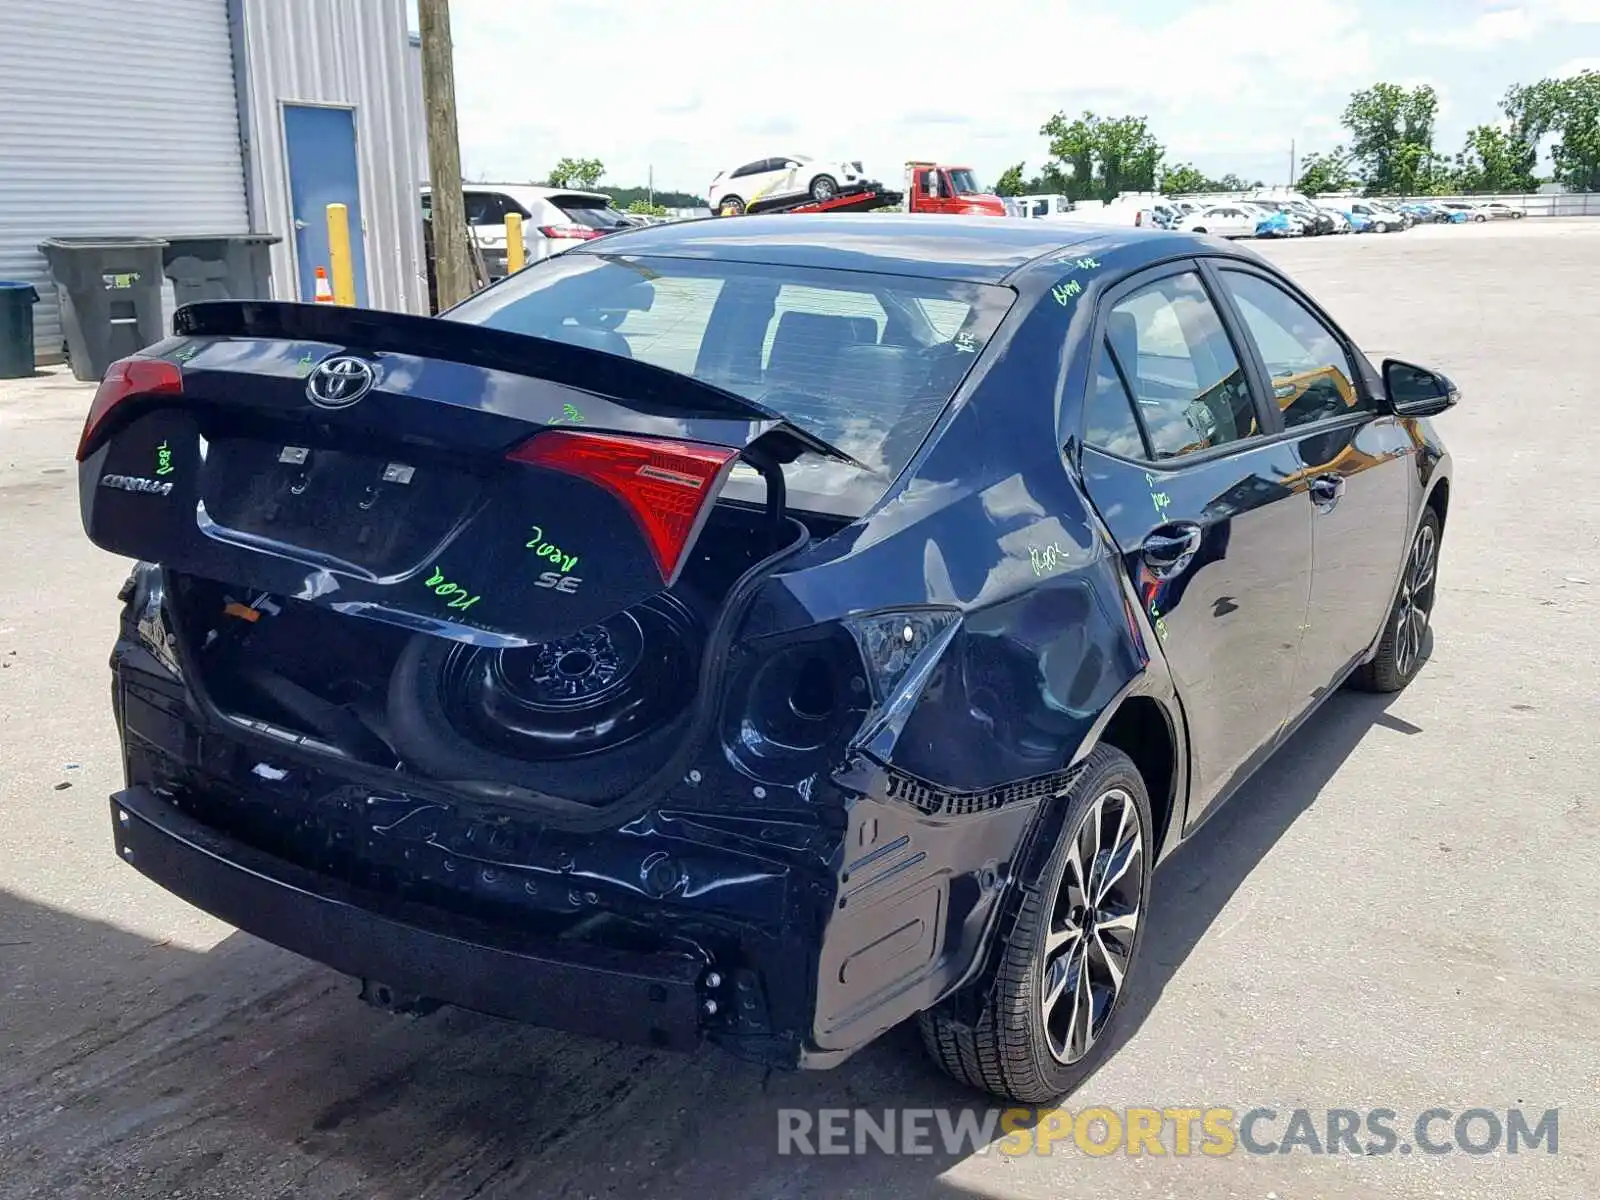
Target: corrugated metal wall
x,y
115,118
349,52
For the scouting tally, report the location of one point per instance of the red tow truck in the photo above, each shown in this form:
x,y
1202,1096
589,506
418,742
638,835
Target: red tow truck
x,y
939,188
929,188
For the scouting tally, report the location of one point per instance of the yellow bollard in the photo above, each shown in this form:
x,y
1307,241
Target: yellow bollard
x,y
342,267
516,251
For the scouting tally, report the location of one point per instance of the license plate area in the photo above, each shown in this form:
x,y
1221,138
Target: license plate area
x,y
377,512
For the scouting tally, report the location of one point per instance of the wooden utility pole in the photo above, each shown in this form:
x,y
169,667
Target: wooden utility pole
x,y
452,270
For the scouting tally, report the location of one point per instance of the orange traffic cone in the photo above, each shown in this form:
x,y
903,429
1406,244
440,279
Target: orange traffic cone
x,y
324,289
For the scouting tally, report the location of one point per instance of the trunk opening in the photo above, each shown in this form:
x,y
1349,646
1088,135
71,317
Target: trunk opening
x,y
571,724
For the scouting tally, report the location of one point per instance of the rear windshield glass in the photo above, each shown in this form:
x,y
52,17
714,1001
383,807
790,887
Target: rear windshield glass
x,y
866,362
586,210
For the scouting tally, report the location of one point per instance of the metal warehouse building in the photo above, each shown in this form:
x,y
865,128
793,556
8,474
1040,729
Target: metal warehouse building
x,y
181,117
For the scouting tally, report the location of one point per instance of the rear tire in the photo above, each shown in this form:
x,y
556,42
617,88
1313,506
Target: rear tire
x,y
1024,1047
1400,653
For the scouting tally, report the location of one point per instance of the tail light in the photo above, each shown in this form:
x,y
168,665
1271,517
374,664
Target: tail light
x,y
125,378
581,233
668,487
1138,218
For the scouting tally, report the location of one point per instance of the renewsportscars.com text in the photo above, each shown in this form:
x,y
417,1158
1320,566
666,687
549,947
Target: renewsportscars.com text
x,y
1177,1131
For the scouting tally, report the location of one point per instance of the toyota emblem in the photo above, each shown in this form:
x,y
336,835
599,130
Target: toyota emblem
x,y
339,382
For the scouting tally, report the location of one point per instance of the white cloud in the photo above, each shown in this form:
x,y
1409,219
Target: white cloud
x,y
1501,22
1576,67
1486,30
689,90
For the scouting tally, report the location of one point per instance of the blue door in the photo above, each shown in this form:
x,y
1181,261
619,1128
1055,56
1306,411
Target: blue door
x,y
320,145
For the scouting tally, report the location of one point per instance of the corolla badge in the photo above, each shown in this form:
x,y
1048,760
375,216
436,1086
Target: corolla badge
x,y
137,483
340,381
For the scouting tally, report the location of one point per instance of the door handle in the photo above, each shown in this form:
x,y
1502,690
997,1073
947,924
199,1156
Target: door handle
x,y
1168,550
1326,491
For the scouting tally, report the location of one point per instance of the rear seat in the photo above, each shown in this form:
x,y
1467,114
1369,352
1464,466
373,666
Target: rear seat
x,y
805,348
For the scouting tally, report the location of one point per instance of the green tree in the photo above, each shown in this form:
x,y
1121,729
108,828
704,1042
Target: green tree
x,y
1567,108
1102,156
1330,172
577,173
1577,155
1234,183
1489,162
624,197
1391,136
1010,182
1531,112
1186,179
645,209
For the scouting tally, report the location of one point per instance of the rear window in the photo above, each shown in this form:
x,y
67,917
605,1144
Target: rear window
x,y
865,362
590,211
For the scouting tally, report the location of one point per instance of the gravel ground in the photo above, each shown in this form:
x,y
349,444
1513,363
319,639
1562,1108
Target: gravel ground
x,y
1399,911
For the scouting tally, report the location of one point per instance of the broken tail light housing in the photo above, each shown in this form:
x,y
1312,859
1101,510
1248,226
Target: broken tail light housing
x,y
668,487
125,378
798,702
901,649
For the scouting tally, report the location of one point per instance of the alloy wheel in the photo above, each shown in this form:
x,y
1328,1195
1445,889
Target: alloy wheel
x,y
1416,601
823,189
1093,922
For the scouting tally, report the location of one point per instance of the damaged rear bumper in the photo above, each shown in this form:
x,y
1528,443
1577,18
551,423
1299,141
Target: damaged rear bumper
x,y
654,1000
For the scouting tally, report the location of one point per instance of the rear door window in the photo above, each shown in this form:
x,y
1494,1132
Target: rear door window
x,y
1172,349
1110,423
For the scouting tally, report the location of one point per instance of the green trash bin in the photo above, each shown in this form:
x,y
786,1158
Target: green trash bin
x,y
110,297
16,328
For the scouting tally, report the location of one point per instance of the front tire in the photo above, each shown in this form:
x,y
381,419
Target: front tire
x,y
1049,1020
730,206
1400,653
824,188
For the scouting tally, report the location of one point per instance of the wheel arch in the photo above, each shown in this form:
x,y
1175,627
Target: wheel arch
x,y
1143,729
1439,500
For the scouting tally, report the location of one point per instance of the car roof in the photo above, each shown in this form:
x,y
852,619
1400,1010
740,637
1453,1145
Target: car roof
x,y
522,193
967,249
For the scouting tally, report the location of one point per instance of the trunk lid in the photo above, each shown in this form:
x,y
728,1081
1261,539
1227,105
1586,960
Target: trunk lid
x,y
406,469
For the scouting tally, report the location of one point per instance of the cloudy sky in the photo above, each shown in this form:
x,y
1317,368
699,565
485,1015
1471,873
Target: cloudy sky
x,y
692,88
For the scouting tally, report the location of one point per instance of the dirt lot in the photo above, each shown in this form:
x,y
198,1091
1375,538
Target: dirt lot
x,y
1399,912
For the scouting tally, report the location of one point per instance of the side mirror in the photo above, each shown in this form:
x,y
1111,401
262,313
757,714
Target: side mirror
x,y
1415,391
791,165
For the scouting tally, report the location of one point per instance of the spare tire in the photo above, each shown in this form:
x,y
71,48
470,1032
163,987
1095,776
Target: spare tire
x,y
585,717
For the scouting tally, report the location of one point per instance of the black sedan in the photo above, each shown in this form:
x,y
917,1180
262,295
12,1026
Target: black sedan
x,y
762,632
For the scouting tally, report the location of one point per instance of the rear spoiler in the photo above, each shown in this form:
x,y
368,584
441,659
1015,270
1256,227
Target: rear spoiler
x,y
640,386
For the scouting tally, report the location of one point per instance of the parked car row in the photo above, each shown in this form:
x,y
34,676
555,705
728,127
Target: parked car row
x,y
1294,215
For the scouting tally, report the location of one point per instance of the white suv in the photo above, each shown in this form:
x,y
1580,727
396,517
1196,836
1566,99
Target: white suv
x,y
784,178
553,219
